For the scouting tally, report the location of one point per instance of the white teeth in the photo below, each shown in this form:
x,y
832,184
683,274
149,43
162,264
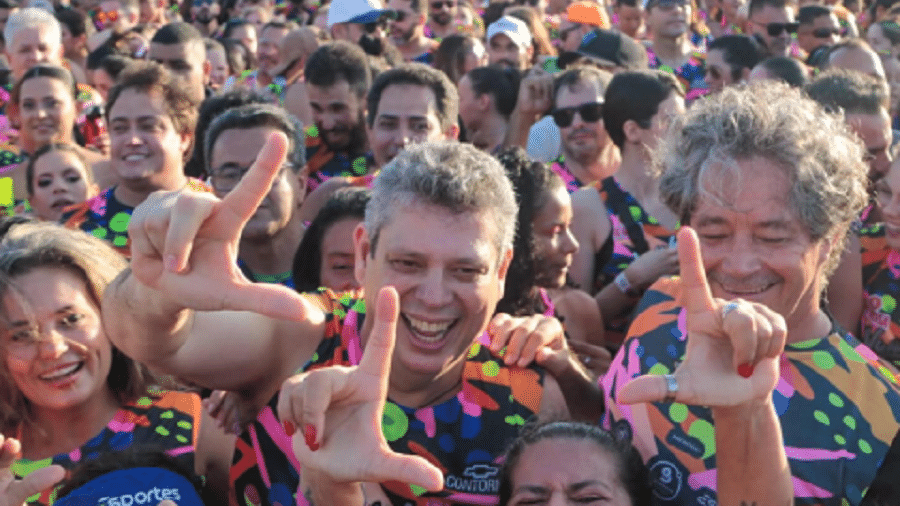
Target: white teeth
x,y
134,158
748,292
427,327
59,373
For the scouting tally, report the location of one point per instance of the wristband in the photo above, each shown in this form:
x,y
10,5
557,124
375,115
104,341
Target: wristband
x,y
624,285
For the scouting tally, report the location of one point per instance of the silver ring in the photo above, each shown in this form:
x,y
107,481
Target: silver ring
x,y
731,306
586,360
671,388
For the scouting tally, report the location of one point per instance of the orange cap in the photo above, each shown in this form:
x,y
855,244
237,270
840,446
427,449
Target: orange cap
x,y
589,13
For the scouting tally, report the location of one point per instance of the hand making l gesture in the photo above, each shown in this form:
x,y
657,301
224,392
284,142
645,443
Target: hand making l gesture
x,y
185,244
338,411
732,347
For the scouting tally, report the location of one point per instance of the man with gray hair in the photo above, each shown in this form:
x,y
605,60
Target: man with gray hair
x,y
32,36
771,201
433,251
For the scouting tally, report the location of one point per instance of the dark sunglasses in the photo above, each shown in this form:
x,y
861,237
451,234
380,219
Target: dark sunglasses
x,y
826,33
590,113
439,4
775,29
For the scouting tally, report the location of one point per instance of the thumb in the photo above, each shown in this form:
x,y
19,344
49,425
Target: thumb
x,y
34,483
414,470
647,388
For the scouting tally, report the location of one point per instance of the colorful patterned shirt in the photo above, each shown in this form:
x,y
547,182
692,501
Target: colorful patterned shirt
x,y
168,421
559,167
323,164
106,217
467,434
691,75
880,323
839,410
633,232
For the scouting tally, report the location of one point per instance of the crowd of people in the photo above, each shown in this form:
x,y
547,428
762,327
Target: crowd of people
x,y
450,252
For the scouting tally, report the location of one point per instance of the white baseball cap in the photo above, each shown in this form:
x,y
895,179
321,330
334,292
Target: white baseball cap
x,y
512,27
355,11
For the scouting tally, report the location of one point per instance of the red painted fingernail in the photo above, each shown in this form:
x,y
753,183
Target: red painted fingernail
x,y
289,428
745,370
309,434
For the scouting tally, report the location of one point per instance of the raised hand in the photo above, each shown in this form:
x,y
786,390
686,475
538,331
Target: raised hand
x,y
185,244
732,347
339,411
536,93
524,336
14,492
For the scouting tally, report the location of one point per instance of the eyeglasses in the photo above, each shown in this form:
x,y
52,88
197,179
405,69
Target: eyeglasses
x,y
590,113
826,33
399,16
224,180
776,29
564,33
441,3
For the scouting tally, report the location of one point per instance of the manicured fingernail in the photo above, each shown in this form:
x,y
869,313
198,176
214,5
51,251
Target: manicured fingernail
x,y
289,428
745,370
309,434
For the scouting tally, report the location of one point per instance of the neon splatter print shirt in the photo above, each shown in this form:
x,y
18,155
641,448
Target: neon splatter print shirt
x,y
632,232
880,323
559,167
839,411
107,218
323,164
465,436
691,75
167,421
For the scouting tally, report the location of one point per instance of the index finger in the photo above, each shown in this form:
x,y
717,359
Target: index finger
x,y
376,359
244,198
697,295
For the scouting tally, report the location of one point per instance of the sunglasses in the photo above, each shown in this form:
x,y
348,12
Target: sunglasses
x,y
399,16
101,18
590,113
441,3
776,29
825,33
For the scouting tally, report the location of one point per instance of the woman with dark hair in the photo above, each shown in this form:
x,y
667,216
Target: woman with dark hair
x,y
537,281
57,177
43,105
325,255
68,395
610,468
458,54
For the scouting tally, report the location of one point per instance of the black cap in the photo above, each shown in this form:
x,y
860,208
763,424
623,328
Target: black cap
x,y
610,47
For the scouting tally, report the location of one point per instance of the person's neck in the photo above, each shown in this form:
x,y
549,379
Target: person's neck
x,y
29,146
597,168
812,324
420,390
416,46
263,79
131,193
672,51
273,255
441,31
634,175
58,431
492,129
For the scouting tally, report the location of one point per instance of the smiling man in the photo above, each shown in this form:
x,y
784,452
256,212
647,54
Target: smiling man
x,y
771,205
438,230
151,121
